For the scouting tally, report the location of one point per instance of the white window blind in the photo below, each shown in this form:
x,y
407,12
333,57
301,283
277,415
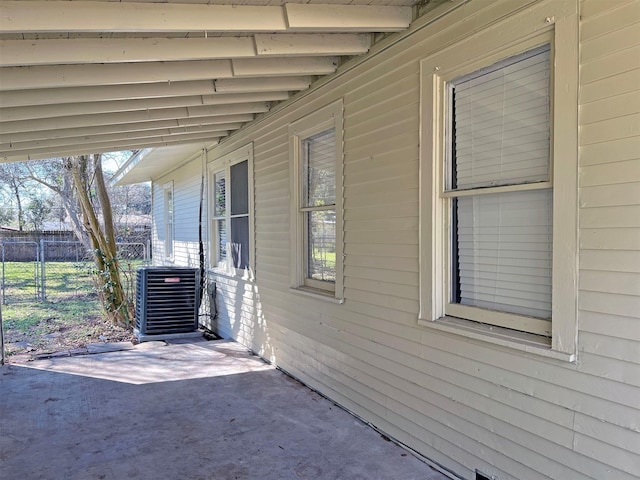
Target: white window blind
x,y
169,222
501,123
505,251
501,244
219,214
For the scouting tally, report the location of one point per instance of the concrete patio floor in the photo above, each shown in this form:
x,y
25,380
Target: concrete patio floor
x,y
198,410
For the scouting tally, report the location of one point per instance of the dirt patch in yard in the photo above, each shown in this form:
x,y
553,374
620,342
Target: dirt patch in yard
x,y
32,331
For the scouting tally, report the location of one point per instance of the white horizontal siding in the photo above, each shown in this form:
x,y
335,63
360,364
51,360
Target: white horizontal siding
x,y
609,195
460,402
186,205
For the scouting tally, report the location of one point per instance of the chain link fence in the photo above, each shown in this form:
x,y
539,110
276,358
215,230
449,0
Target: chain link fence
x,y
21,274
55,270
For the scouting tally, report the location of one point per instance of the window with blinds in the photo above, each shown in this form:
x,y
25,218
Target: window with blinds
x,y
168,220
220,214
319,206
499,186
231,215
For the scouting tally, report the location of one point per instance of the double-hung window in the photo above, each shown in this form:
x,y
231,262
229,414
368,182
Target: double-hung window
x,y
316,185
232,212
167,191
498,183
498,241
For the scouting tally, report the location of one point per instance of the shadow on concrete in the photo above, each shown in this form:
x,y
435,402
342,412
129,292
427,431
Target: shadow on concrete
x,y
201,411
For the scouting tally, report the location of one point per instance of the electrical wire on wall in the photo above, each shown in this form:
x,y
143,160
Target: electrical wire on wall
x,y
204,283
200,232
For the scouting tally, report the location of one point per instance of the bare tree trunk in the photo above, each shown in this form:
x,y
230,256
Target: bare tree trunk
x,y
112,291
16,192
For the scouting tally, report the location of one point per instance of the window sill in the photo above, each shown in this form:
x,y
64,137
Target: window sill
x,y
525,342
316,293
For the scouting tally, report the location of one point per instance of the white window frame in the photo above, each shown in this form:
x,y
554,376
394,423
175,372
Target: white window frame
x,y
224,163
328,117
169,220
555,24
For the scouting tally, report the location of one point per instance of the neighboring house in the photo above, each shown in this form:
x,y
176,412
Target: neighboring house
x,y
443,237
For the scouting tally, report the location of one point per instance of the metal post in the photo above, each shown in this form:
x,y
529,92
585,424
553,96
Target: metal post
x,y
38,283
3,274
1,331
42,270
1,302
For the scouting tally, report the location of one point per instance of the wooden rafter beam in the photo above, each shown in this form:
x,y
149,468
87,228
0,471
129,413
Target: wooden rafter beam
x,y
119,137
59,76
51,96
65,16
18,53
107,147
78,121
225,123
13,114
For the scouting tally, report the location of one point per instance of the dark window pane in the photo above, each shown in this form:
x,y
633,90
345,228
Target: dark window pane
x,y
240,242
240,188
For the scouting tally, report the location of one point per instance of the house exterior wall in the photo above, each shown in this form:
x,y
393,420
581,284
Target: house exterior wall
x,y
460,402
186,182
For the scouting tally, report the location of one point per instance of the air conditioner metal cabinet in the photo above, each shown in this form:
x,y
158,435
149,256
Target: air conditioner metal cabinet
x,y
167,300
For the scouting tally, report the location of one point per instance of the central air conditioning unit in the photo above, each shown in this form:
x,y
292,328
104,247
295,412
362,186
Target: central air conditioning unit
x,y
167,301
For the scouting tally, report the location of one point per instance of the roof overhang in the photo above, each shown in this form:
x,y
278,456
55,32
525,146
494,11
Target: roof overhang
x,y
80,77
150,163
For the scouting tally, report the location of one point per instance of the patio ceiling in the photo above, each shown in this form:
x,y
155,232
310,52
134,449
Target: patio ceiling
x,y
80,77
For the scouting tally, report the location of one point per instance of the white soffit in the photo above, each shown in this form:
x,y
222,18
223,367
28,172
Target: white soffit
x,y
150,163
80,77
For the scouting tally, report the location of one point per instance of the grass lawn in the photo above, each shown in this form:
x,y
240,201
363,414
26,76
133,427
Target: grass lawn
x,y
70,318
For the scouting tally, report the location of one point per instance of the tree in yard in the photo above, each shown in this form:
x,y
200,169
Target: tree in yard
x,y
38,210
55,176
6,214
12,175
89,183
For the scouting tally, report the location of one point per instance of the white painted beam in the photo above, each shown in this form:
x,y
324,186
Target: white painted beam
x,y
19,53
278,67
346,18
70,51
65,16
78,121
153,91
13,114
275,84
153,135
66,76
57,76
46,96
205,138
284,44
235,122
